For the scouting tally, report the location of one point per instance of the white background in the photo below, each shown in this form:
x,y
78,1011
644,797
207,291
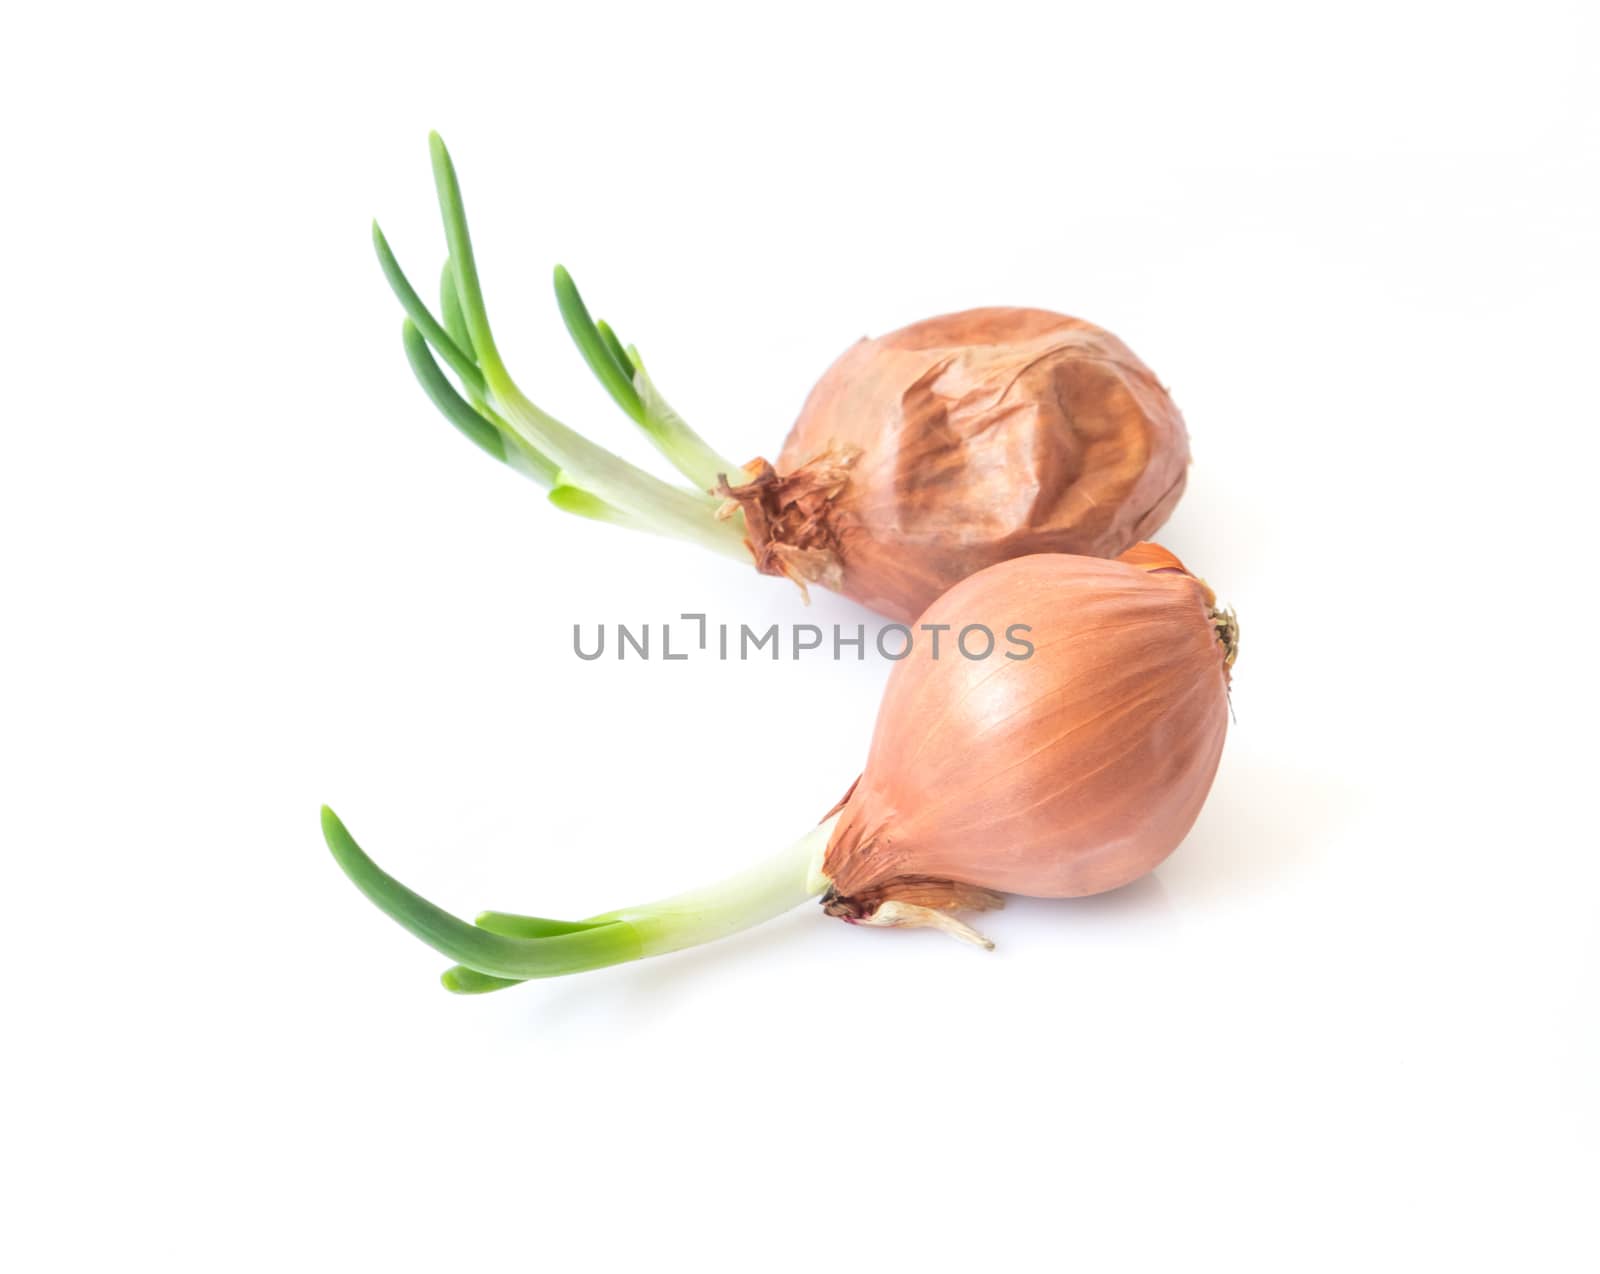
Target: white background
x,y
1351,1024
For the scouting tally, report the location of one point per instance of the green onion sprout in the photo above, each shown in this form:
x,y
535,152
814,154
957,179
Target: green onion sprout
x,y
486,405
502,949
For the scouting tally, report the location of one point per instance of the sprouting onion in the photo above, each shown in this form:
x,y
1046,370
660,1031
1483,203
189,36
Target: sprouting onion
x,y
918,458
1068,772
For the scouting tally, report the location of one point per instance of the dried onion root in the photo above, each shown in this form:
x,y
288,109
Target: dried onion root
x,y
919,458
1072,771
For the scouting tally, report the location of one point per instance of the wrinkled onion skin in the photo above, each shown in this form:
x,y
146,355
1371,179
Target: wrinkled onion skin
x,y
983,436
1068,773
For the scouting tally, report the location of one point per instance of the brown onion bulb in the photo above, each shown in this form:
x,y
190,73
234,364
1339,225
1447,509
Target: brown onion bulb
x,y
923,456
1072,771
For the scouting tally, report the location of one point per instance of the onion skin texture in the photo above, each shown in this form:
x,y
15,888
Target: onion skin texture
x,y
1068,773
926,455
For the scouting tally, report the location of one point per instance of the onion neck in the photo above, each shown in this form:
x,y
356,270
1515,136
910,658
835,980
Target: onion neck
x,y
786,517
1226,625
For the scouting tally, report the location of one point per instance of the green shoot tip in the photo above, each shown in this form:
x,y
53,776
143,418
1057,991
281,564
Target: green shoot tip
x,y
503,959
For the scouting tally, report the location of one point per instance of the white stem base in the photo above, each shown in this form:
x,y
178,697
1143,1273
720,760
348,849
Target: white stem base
x,y
749,898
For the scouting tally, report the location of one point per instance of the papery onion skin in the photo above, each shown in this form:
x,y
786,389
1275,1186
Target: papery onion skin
x,y
925,455
1071,772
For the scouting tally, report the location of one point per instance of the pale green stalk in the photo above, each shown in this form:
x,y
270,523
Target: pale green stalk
x,y
621,371
750,898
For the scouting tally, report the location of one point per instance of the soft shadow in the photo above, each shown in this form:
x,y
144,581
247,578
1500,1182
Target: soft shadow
x,y
1143,904
1263,823
651,987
